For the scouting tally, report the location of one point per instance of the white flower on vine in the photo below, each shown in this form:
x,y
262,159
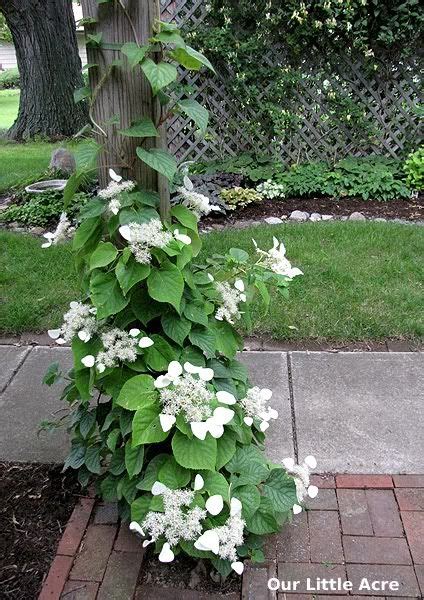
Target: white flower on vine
x,y
182,237
223,540
63,232
301,475
230,300
144,236
79,320
175,523
275,260
255,407
115,187
198,203
114,206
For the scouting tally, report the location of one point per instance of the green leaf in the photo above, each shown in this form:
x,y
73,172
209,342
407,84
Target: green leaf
x,y
151,473
196,112
215,483
228,341
166,284
94,40
103,255
106,295
87,422
134,53
159,74
223,567
254,473
185,216
137,392
160,354
174,475
112,439
190,549
226,448
146,425
191,59
244,457
133,459
195,311
250,498
142,128
194,453
81,94
262,522
281,490
52,374
108,488
140,507
161,161
92,459
85,231
117,463
238,255
175,327
75,458
205,339
169,37
144,308
94,208
130,273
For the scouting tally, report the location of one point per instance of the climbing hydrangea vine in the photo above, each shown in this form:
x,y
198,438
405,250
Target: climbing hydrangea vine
x,y
162,416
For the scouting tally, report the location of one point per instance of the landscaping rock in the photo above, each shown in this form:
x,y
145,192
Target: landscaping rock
x,y
62,160
273,220
344,218
380,220
357,216
37,230
315,217
327,217
298,215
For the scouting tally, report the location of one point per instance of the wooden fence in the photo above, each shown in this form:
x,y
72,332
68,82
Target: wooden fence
x,y
388,102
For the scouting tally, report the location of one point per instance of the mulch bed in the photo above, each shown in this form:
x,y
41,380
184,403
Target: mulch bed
x,y
36,502
186,574
411,209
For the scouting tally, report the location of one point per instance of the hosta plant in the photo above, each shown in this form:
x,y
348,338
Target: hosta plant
x,y
162,416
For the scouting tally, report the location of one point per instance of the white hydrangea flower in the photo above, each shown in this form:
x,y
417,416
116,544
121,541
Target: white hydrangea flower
x,y
63,232
188,396
301,475
275,260
177,522
79,320
115,188
118,346
224,540
196,202
255,407
143,236
230,298
114,206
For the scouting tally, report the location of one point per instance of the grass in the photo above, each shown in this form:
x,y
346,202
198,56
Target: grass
x,y
9,104
363,281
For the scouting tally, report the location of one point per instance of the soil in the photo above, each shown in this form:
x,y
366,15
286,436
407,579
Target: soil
x,y
411,209
36,502
186,574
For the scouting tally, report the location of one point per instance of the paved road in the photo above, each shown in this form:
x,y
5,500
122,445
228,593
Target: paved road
x,y
359,412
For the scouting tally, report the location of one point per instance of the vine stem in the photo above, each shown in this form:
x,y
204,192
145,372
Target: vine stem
x,y
130,21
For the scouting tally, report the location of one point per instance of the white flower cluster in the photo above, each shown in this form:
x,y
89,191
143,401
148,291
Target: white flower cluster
x,y
230,297
275,260
254,405
271,189
190,396
79,320
63,232
142,237
198,203
115,188
118,346
301,475
175,523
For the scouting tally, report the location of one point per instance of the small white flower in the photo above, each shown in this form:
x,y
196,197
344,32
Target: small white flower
x,y
225,397
134,332
222,415
248,421
199,429
167,421
134,526
114,176
181,237
54,333
238,567
63,232
84,336
208,542
215,429
114,206
214,504
297,509
166,555
239,285
236,507
158,488
145,342
88,361
199,482
101,368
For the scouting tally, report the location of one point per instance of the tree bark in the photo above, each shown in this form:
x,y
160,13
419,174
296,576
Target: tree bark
x,y
44,35
124,95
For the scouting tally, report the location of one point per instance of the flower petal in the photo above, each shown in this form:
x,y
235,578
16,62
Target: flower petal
x,y
113,175
134,526
134,332
208,541
248,421
147,542
158,488
222,415
166,555
239,285
312,491
84,336
145,342
215,429
236,507
192,369
88,361
238,567
265,394
297,509
206,374
101,368
199,482
264,426
174,369
225,397
53,333
166,421
199,429
311,462
288,463
162,382
214,504
125,232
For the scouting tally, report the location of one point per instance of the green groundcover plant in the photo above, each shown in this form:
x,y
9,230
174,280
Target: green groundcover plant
x,y
162,416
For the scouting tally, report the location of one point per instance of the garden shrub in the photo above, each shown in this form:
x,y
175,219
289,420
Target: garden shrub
x,y
41,209
9,79
239,197
414,169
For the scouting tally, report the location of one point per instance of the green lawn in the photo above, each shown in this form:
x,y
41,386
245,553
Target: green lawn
x,y
9,104
363,281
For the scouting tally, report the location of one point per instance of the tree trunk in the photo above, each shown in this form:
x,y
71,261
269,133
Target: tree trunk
x,y
125,95
44,35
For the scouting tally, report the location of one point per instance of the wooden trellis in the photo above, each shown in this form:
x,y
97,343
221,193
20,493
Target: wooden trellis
x,y
390,124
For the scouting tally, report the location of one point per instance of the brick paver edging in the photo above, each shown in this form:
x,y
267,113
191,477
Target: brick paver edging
x,y
359,526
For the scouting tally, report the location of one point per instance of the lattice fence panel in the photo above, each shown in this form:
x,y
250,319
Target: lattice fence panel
x,y
390,123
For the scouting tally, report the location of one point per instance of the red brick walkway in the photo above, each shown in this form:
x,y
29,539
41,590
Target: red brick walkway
x,y
369,526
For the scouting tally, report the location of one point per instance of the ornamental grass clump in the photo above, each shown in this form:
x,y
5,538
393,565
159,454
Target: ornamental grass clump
x,y
162,416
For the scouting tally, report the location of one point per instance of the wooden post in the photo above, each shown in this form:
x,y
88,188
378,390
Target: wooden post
x,y
122,95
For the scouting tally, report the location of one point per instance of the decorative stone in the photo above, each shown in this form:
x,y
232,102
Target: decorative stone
x,y
380,220
62,160
273,220
344,218
357,216
298,215
315,217
326,217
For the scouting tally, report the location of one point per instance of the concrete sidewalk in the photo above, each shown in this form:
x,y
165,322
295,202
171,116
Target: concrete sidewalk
x,y
356,412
